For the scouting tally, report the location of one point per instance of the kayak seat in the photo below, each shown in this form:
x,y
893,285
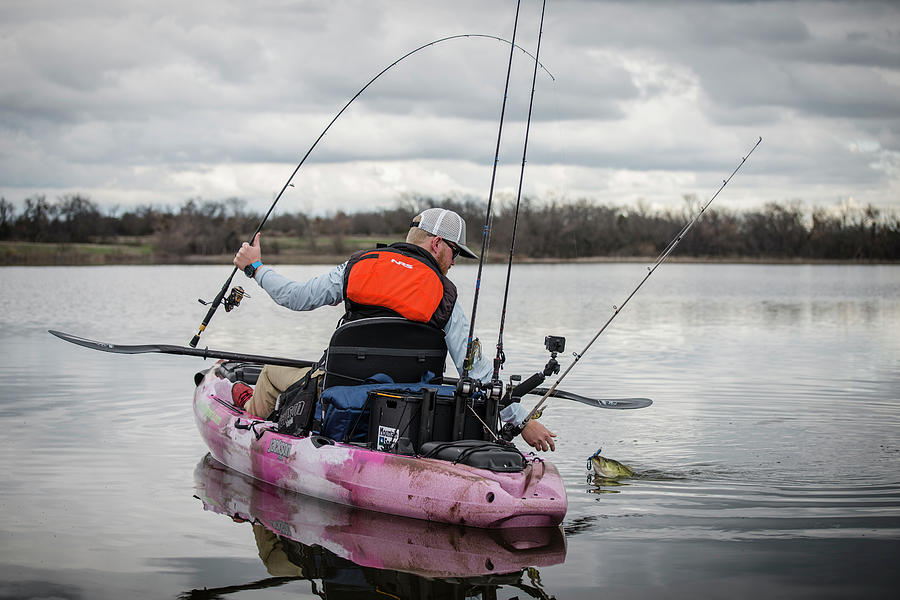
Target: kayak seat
x,y
401,349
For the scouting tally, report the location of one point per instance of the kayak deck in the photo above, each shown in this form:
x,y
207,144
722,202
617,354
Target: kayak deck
x,y
353,475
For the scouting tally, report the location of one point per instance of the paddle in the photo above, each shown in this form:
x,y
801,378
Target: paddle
x,y
181,350
616,403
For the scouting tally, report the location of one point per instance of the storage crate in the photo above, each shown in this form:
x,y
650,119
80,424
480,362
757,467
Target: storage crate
x,y
401,421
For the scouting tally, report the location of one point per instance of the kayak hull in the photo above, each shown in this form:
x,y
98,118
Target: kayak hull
x,y
428,489
376,540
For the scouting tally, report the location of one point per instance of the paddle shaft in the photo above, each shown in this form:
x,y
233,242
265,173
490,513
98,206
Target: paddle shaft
x,y
619,403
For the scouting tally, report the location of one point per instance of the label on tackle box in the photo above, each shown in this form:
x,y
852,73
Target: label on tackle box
x,y
387,437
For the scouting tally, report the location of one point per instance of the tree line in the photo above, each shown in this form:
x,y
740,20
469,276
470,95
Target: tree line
x,y
549,230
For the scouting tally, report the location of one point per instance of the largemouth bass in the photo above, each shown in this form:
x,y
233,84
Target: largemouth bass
x,y
608,468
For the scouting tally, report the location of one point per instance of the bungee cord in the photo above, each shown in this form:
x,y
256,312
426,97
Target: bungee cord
x,y
650,270
217,301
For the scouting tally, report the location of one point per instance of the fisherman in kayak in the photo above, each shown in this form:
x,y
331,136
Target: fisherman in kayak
x,y
436,238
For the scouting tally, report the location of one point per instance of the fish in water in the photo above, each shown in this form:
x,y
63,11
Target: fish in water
x,y
608,468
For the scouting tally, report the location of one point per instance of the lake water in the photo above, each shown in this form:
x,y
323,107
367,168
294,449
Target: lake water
x,y
767,467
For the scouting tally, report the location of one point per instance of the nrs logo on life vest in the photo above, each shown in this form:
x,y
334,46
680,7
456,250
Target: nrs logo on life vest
x,y
281,448
401,263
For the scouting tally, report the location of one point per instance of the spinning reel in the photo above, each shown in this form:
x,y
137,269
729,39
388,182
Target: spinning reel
x,y
232,301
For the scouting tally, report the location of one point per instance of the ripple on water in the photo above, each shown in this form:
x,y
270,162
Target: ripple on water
x,y
774,421
681,506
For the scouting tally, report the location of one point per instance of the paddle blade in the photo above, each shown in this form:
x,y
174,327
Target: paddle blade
x,y
102,346
182,351
614,403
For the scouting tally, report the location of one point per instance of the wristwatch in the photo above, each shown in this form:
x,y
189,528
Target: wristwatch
x,y
250,270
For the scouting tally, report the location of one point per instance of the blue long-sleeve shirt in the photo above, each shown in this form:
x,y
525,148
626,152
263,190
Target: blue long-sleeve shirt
x,y
327,290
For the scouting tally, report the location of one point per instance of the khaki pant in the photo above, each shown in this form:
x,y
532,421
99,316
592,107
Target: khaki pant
x,y
271,551
272,381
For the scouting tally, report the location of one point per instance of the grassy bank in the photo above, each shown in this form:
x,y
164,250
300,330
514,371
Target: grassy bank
x,y
324,250
139,251
38,254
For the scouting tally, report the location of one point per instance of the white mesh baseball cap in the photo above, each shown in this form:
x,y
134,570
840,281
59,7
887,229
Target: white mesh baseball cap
x,y
445,224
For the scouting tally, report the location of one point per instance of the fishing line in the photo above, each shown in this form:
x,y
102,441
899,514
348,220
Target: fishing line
x,y
485,234
650,270
217,301
501,357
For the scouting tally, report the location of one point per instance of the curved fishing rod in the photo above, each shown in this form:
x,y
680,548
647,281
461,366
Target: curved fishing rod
x,y
217,301
501,357
486,231
650,270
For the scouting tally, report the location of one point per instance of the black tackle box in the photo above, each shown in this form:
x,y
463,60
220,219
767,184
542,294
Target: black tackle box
x,y
400,421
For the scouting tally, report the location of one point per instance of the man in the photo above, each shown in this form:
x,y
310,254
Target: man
x,y
436,238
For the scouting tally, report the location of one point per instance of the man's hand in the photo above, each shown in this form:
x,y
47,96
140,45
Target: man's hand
x,y
248,254
538,437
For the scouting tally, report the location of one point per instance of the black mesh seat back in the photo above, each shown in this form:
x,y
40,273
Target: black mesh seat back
x,y
404,350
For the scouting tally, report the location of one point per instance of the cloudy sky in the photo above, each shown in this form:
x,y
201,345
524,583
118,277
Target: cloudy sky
x,y
155,102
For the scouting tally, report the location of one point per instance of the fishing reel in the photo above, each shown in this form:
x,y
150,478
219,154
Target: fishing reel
x,y
469,387
232,301
234,298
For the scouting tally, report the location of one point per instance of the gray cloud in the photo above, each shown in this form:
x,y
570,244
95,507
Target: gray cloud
x,y
133,101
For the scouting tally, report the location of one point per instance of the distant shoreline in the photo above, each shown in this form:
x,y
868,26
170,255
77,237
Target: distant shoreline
x,y
55,255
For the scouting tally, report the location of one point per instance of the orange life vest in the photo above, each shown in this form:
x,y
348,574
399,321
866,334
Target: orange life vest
x,y
400,279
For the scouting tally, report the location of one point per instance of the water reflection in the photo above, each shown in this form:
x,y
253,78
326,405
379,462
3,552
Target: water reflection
x,y
342,550
767,466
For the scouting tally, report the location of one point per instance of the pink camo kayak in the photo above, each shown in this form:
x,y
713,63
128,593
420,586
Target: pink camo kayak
x,y
376,540
353,475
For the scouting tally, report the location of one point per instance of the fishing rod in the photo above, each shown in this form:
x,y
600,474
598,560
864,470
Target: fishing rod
x,y
485,233
650,270
501,357
217,301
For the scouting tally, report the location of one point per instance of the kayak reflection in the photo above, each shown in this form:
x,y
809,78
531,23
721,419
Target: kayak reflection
x,y
355,551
